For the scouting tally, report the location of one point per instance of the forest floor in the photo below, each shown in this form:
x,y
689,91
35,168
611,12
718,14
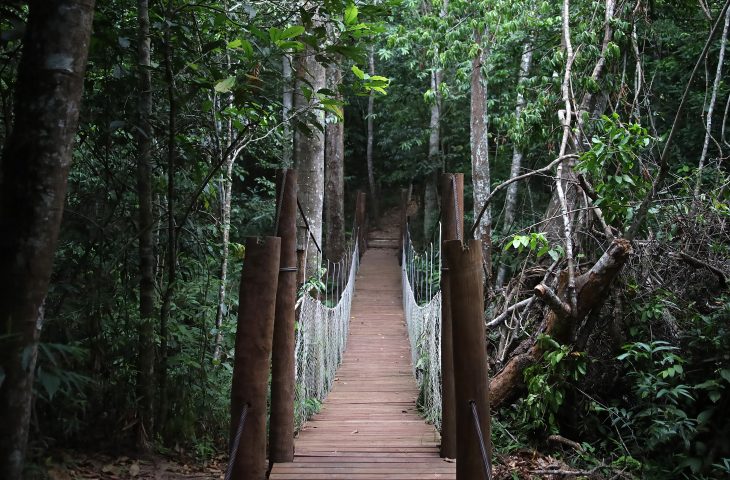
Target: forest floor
x,y
73,465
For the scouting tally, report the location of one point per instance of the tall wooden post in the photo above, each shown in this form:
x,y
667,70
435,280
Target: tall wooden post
x,y
452,214
256,306
361,220
281,422
470,356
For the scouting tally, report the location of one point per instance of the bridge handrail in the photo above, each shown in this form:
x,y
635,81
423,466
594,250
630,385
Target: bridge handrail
x,y
420,274
321,338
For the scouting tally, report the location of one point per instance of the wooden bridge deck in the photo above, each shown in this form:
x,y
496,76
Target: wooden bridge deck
x,y
368,428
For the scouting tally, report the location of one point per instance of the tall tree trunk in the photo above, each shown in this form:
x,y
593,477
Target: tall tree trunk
x,y
371,137
710,111
430,196
226,190
287,105
335,175
309,158
33,177
479,128
510,202
146,355
171,233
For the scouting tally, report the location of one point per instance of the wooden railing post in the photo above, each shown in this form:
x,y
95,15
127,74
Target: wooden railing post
x,y
470,357
452,214
256,306
361,220
281,423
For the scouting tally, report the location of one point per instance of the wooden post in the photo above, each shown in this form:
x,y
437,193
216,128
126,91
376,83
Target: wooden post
x,y
256,306
470,356
361,220
281,423
452,214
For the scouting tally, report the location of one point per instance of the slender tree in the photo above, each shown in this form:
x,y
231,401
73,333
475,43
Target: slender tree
x,y
370,139
146,355
510,202
33,176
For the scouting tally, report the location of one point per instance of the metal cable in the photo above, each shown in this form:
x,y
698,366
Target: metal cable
x,y
306,224
279,203
459,233
236,442
478,428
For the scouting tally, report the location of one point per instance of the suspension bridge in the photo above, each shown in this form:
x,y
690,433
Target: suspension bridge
x,y
365,358
368,426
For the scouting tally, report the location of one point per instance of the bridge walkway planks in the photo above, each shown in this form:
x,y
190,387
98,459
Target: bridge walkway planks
x,y
368,427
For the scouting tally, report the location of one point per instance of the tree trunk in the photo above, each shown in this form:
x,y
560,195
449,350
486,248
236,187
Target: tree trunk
x,y
591,289
430,196
479,127
227,184
710,111
371,137
287,105
33,177
510,202
171,233
309,158
335,175
146,356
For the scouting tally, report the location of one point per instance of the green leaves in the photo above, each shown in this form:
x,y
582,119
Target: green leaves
x,y
241,44
351,12
225,86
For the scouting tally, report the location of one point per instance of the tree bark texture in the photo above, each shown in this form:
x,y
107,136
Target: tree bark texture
x,y
171,230
591,289
370,139
430,193
334,185
510,202
287,106
146,355
479,137
281,444
309,158
254,336
33,177
710,112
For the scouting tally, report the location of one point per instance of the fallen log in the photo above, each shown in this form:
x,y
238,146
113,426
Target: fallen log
x,y
561,322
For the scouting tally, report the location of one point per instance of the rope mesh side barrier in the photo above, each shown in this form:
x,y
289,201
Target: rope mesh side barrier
x,y
421,274
321,334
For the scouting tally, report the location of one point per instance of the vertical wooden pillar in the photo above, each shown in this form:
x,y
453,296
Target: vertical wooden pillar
x,y
281,422
470,355
256,306
361,220
452,214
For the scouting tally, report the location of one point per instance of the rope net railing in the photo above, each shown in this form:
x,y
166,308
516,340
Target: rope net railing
x,y
421,276
322,327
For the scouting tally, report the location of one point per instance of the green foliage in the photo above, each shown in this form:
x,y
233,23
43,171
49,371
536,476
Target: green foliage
x,y
548,383
617,167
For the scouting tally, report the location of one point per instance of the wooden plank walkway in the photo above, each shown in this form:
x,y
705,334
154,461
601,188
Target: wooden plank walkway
x,y
368,427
